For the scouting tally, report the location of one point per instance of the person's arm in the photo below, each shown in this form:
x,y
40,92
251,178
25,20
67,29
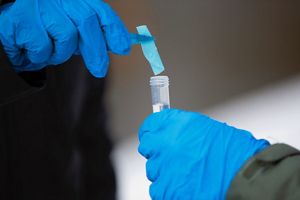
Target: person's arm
x,y
61,32
191,156
272,174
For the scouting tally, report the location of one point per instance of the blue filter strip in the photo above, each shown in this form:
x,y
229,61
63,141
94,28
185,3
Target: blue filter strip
x,y
139,39
150,51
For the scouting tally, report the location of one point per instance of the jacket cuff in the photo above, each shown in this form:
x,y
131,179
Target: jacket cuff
x,y
271,174
14,86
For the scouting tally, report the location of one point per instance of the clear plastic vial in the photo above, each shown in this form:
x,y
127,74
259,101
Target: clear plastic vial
x,y
160,93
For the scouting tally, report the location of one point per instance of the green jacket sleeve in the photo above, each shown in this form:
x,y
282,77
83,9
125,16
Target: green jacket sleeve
x,y
272,174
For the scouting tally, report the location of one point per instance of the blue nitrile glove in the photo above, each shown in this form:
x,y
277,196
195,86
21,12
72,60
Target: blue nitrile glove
x,y
39,33
191,156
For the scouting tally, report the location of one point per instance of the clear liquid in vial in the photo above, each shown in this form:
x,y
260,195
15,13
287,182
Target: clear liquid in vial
x,y
159,107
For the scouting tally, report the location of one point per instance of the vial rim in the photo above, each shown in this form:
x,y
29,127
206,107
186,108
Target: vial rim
x,y
159,80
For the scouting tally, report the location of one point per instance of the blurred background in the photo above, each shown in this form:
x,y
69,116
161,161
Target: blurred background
x,y
238,61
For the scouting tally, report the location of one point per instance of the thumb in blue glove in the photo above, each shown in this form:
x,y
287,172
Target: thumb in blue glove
x,y
191,156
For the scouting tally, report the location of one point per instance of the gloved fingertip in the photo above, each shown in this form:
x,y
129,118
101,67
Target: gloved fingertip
x,y
143,151
41,54
152,169
147,124
154,122
149,145
98,67
64,47
118,39
141,134
122,46
155,190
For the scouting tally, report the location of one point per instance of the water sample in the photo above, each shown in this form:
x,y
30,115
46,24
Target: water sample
x,y
160,93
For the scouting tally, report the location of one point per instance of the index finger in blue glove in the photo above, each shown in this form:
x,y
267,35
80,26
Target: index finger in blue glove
x,y
149,145
153,167
61,29
91,40
157,189
116,34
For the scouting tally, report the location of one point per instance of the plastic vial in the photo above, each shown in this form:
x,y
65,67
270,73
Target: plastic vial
x,y
160,93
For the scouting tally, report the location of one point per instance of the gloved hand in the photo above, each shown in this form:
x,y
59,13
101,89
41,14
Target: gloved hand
x,y
191,156
36,33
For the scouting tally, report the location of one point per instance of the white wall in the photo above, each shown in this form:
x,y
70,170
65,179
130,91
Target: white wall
x,y
213,50
272,112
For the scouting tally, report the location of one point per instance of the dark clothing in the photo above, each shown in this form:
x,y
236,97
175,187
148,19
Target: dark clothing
x,y
55,140
53,135
272,174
